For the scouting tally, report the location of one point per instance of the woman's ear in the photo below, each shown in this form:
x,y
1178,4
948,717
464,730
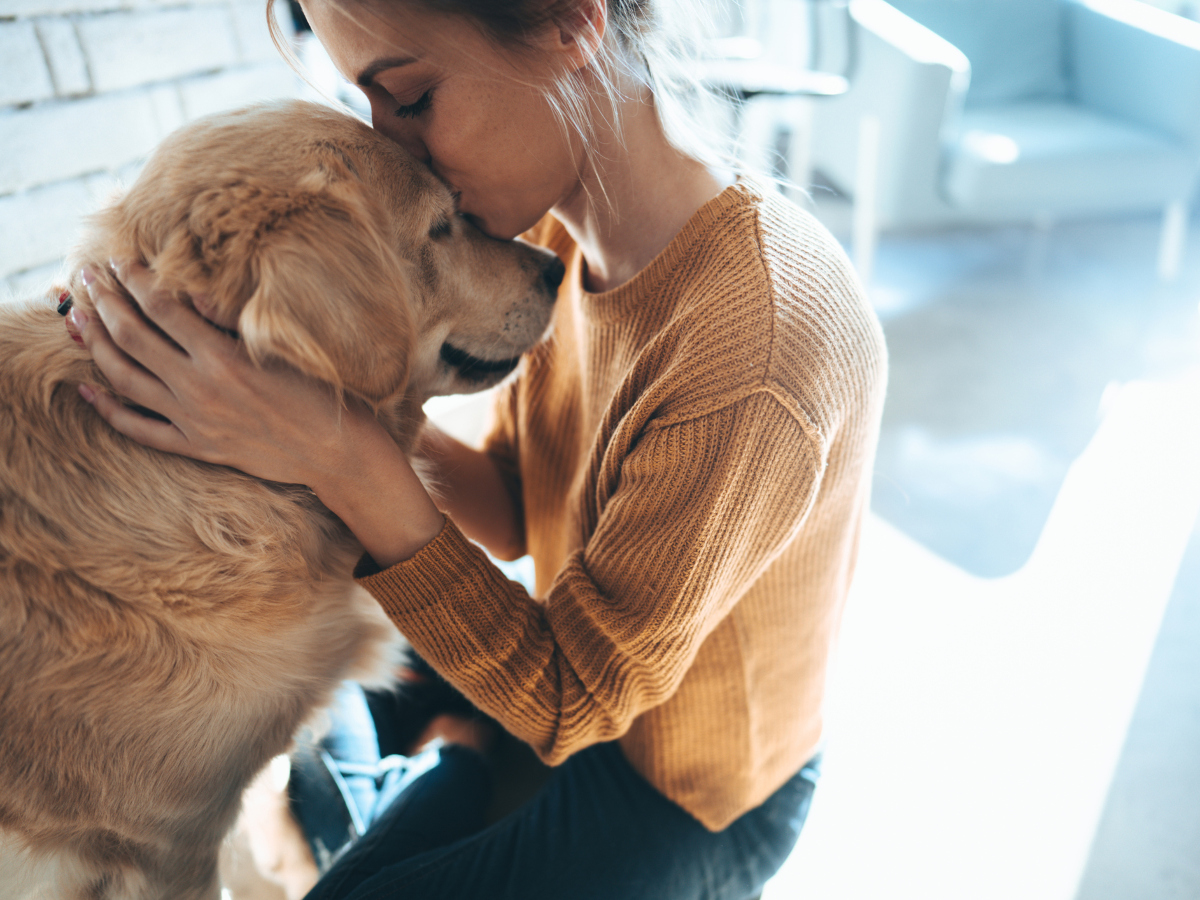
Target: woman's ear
x,y
577,36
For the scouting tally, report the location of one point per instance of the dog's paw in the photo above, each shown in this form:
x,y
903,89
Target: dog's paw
x,y
280,863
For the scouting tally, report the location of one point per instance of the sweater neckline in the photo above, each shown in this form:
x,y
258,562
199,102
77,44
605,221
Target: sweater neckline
x,y
614,304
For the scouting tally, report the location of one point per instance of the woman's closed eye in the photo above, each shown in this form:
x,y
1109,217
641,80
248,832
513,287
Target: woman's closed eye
x,y
412,110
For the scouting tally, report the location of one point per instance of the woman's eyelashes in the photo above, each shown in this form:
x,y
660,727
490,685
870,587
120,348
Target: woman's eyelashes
x,y
412,110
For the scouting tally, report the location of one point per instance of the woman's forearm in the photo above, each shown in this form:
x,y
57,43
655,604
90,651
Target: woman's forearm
x,y
469,487
379,497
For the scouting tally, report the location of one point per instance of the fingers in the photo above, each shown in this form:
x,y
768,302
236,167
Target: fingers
x,y
124,328
73,330
151,432
125,375
184,326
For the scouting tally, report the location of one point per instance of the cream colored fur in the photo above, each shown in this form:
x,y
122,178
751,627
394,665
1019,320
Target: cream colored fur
x,y
165,625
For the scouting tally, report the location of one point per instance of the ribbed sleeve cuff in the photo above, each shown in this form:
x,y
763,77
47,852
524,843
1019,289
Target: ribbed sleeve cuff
x,y
424,579
458,610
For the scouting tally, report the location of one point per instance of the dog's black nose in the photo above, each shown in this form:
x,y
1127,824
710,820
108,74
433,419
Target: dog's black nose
x,y
553,274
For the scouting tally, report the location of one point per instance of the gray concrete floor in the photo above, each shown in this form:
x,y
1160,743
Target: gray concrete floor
x,y
1003,343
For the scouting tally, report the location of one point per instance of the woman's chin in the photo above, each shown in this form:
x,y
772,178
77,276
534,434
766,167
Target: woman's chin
x,y
501,227
493,229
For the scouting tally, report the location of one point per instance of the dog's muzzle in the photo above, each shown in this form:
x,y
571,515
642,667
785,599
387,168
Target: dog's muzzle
x,y
473,368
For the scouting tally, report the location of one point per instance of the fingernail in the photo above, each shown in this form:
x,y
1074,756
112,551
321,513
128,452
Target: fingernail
x,y
78,317
87,393
86,276
65,302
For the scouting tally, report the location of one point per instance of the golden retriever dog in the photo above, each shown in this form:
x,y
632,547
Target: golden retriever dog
x,y
166,625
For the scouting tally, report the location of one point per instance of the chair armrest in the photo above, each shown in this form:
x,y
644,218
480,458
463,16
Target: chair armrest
x,y
1134,61
914,82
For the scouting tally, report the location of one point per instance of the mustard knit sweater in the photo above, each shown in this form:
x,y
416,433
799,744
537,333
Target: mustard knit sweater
x,y
692,455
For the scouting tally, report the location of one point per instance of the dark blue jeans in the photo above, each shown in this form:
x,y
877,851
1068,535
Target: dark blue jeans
x,y
596,830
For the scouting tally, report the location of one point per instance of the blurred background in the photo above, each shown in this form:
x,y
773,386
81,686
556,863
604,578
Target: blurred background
x,y
1016,710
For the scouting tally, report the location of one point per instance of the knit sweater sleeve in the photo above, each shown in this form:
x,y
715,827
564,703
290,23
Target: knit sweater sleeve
x,y
697,511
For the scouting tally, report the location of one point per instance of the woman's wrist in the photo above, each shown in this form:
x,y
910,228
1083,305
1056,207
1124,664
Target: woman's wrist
x,y
379,497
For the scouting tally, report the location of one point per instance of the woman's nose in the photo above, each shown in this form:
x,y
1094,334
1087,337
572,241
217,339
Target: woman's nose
x,y
401,131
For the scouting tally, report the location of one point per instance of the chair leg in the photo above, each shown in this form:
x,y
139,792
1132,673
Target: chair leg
x,y
866,198
1170,245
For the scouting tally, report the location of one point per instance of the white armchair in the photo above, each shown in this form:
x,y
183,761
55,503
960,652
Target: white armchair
x,y
1007,110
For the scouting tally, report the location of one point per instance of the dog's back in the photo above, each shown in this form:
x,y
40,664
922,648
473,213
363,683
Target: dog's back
x,y
165,625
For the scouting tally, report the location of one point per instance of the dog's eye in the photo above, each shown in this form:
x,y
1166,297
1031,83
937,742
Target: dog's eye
x,y
440,229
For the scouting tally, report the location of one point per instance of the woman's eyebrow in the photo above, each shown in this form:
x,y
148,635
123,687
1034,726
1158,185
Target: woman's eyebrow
x,y
367,75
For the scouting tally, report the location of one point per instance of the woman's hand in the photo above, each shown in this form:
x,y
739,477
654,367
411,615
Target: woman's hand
x,y
270,422
222,408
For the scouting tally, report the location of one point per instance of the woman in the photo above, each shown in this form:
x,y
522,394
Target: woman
x,y
687,459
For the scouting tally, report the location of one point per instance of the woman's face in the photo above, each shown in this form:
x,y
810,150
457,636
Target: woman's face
x,y
444,92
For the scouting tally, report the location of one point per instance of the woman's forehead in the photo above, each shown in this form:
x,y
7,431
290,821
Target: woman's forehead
x,y
360,33
399,28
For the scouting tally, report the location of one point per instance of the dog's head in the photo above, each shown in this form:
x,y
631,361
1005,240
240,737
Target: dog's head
x,y
327,247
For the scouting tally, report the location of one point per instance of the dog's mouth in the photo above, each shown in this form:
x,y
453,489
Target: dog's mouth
x,y
473,368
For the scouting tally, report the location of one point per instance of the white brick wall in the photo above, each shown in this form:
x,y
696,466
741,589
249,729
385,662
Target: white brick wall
x,y
89,87
68,68
52,141
45,214
26,76
201,96
136,48
26,8
250,29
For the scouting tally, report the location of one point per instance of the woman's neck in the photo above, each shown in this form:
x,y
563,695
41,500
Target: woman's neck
x,y
636,192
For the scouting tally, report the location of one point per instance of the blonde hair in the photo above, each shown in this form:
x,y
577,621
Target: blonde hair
x,y
646,44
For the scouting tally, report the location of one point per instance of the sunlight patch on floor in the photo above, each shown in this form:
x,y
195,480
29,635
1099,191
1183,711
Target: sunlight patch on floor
x,y
976,723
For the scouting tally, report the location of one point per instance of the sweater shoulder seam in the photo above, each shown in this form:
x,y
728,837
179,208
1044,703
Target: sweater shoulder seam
x,y
742,395
772,298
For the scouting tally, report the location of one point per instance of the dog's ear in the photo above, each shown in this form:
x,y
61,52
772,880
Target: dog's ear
x,y
314,280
